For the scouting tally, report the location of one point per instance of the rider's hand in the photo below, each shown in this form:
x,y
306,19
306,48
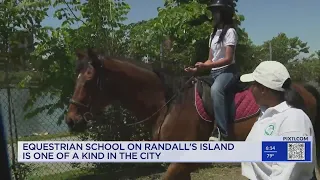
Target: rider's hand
x,y
190,69
200,65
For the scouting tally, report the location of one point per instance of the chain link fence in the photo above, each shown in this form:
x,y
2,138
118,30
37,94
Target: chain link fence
x,y
39,127
19,126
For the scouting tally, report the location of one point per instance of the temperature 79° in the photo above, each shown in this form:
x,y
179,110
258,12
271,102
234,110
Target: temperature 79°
x,y
270,155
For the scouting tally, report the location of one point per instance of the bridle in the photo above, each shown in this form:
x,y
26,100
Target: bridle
x,y
78,103
81,105
88,115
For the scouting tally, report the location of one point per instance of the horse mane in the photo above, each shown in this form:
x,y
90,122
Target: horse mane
x,y
172,81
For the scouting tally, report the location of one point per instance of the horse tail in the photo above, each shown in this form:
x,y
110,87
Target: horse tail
x,y
316,123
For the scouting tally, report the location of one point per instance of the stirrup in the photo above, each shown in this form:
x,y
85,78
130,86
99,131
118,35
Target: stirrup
x,y
214,138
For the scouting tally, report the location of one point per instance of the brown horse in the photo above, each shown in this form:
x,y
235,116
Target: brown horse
x,y
182,115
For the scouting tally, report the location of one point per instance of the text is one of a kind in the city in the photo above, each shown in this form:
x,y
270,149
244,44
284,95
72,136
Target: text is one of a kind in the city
x,y
141,151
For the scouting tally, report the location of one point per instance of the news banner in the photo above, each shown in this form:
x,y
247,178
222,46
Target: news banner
x,y
272,149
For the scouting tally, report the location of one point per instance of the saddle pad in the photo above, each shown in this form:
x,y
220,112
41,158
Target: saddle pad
x,y
244,102
246,105
199,106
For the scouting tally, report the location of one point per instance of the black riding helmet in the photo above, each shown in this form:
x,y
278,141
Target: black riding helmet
x,y
221,5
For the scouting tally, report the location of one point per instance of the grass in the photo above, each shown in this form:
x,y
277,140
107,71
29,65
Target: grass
x,y
69,175
216,172
42,137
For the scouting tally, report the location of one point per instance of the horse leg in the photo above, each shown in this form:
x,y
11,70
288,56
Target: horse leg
x,y
179,171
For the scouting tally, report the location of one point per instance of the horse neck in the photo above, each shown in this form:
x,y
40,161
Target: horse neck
x,y
138,90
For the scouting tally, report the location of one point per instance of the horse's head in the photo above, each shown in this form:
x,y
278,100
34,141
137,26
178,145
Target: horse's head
x,y
87,96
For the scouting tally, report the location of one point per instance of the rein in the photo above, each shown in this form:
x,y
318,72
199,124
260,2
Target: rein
x,y
156,112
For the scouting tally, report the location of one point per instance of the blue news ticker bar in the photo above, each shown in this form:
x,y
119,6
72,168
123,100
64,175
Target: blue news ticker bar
x,y
278,151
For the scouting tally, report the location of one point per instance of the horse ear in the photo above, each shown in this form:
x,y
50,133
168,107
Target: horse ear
x,y
80,54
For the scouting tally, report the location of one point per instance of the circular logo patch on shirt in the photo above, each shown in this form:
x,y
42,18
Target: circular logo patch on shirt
x,y
269,130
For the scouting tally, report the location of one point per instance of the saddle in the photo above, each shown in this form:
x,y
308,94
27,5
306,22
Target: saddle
x,y
246,106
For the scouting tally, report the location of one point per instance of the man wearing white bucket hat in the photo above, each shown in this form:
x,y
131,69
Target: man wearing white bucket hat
x,y
281,115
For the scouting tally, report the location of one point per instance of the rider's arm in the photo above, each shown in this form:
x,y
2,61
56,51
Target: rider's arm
x,y
209,61
230,41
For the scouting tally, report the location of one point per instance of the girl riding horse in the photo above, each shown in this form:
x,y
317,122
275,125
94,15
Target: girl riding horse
x,y
221,61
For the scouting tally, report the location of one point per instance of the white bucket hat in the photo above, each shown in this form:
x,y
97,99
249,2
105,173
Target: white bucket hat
x,y
271,74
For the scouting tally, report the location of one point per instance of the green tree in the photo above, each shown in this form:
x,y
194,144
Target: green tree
x,y
284,49
20,23
172,22
308,66
187,25
101,27
289,51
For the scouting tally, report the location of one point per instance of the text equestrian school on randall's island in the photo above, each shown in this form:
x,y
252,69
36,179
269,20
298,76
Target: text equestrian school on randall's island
x,y
136,151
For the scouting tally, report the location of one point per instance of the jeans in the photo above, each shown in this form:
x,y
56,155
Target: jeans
x,y
223,97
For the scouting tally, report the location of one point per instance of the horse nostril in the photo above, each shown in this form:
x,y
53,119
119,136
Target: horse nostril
x,y
76,123
69,122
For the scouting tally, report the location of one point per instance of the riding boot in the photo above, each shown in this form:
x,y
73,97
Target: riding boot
x,y
217,135
214,138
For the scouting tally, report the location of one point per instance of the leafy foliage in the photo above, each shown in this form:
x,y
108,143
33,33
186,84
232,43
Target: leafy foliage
x,y
54,55
172,24
187,26
284,49
290,51
20,20
309,67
